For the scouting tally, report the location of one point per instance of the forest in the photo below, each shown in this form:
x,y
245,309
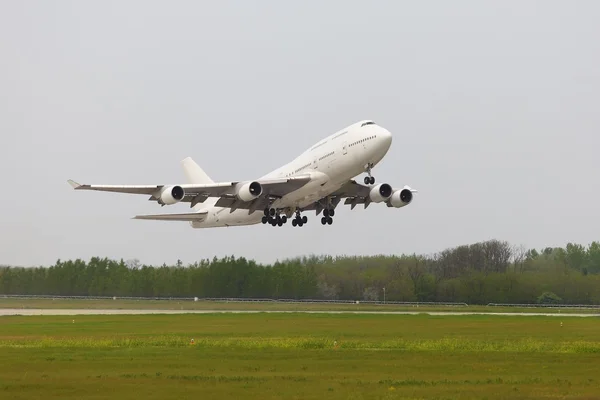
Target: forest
x,y
492,271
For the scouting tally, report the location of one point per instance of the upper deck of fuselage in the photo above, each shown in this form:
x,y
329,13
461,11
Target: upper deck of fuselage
x,y
350,133
349,130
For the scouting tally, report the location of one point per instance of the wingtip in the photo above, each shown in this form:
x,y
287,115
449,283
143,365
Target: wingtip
x,y
74,184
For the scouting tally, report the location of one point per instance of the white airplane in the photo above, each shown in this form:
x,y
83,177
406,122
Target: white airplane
x,y
317,179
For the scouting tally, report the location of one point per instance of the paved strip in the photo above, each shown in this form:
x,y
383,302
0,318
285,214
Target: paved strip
x,y
20,311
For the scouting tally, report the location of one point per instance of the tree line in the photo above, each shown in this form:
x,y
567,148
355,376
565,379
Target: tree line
x,y
479,273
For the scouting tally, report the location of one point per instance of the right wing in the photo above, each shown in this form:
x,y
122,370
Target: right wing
x,y
354,194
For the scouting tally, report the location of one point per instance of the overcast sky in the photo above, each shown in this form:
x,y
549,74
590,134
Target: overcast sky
x,y
494,108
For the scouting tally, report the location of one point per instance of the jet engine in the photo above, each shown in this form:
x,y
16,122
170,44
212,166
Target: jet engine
x,y
249,191
401,198
171,195
380,193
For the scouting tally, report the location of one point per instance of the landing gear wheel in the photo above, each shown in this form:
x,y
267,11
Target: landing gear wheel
x,y
332,212
265,220
326,212
298,219
284,218
330,220
323,220
272,212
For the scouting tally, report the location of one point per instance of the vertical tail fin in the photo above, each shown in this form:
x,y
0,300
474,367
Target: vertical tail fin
x,y
195,174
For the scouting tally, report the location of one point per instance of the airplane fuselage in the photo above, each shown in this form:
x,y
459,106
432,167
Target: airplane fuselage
x,y
331,162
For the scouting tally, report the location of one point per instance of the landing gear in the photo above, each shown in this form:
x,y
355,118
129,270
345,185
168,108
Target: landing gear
x,y
272,217
369,180
270,212
326,220
299,220
328,213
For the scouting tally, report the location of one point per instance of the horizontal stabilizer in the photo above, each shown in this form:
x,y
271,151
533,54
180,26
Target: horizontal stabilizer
x,y
195,216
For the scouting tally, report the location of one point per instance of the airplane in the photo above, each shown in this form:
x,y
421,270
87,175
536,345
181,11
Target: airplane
x,y
317,180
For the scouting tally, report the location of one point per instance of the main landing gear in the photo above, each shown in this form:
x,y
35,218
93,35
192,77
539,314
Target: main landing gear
x,y
299,220
272,217
369,180
328,213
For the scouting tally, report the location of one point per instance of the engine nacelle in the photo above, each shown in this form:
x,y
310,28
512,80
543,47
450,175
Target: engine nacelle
x,y
249,191
400,198
380,193
171,195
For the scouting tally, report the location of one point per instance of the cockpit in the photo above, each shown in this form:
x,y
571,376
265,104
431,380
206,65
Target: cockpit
x,y
367,123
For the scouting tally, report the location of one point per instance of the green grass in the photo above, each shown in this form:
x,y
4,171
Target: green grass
x,y
268,356
262,306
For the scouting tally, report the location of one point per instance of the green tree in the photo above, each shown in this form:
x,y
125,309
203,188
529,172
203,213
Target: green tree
x,y
549,298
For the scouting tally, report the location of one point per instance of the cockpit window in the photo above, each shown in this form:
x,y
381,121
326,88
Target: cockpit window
x,y
368,123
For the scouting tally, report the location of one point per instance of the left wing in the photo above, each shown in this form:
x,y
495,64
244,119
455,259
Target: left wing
x,y
239,193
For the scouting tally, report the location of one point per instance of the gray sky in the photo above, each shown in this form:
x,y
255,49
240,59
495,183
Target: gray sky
x,y
493,107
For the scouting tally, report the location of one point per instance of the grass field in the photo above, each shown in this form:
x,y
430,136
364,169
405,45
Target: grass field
x,y
299,356
262,306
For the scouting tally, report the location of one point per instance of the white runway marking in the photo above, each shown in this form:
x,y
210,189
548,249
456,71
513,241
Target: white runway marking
x,y
56,312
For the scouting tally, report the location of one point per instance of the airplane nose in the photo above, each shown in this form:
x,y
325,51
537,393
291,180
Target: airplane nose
x,y
386,137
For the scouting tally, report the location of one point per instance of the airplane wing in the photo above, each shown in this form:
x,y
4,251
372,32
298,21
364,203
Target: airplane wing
x,y
195,216
354,193
198,193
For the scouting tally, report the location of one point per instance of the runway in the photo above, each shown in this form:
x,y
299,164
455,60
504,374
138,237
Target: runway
x,y
71,312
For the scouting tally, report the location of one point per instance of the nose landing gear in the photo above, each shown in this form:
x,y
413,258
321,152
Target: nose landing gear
x,y
369,180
